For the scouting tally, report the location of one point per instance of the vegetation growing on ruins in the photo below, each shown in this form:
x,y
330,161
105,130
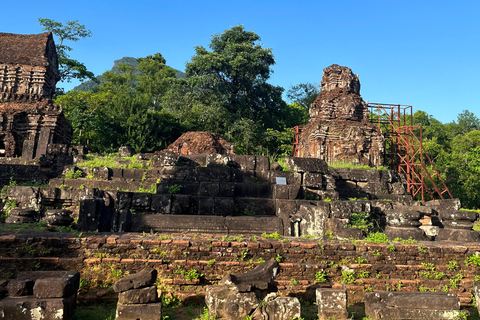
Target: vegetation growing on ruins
x,y
226,91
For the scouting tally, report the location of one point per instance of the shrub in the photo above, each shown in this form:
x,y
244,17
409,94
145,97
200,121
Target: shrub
x,y
377,238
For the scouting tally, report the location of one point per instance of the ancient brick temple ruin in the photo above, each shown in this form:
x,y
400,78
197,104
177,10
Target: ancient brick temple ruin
x,y
198,142
339,129
30,123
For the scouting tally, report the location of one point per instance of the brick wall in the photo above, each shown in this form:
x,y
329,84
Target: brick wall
x,y
100,258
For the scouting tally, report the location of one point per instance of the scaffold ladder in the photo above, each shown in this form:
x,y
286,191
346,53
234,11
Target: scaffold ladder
x,y
404,150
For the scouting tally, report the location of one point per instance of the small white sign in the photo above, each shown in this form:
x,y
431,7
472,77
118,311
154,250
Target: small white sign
x,y
281,180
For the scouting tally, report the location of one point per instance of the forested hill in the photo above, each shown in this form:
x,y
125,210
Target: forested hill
x,y
90,84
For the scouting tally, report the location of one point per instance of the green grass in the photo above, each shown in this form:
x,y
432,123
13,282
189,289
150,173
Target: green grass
x,y
110,161
98,311
351,165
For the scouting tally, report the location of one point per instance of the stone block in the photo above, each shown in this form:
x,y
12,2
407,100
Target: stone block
x,y
411,305
458,215
244,162
462,235
125,151
332,303
19,219
253,190
227,304
206,206
442,205
149,311
19,212
138,296
283,210
57,287
141,201
220,160
24,195
458,224
244,176
142,279
405,233
255,206
28,150
278,308
184,204
281,192
179,174
166,158
116,173
312,180
226,189
178,223
403,214
218,174
29,308
223,206
262,163
293,178
297,164
94,216
123,200
101,173
58,217
344,209
311,220
161,203
253,225
286,191
17,288
133,174
210,189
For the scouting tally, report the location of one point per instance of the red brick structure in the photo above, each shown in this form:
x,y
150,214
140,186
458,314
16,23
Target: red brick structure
x,y
30,123
339,129
197,142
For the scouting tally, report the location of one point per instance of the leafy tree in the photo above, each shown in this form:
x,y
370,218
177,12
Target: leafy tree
x,y
71,31
124,110
227,89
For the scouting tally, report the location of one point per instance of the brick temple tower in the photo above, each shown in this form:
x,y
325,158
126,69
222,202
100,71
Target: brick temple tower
x,y
30,123
339,129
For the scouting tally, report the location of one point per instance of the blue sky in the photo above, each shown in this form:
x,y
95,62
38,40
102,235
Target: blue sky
x,y
420,53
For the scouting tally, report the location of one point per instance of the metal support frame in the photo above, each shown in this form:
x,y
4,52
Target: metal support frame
x,y
404,150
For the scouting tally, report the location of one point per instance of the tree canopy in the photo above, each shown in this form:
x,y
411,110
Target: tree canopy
x,y
71,31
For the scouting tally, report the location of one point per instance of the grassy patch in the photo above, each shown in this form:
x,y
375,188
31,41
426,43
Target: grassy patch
x,y
98,311
112,161
351,165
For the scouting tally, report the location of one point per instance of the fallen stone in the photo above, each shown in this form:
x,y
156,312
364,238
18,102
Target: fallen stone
x,y
313,165
458,224
149,311
17,288
125,151
411,305
144,278
405,233
228,304
259,278
457,235
278,308
332,303
57,287
30,308
138,296
58,217
458,215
